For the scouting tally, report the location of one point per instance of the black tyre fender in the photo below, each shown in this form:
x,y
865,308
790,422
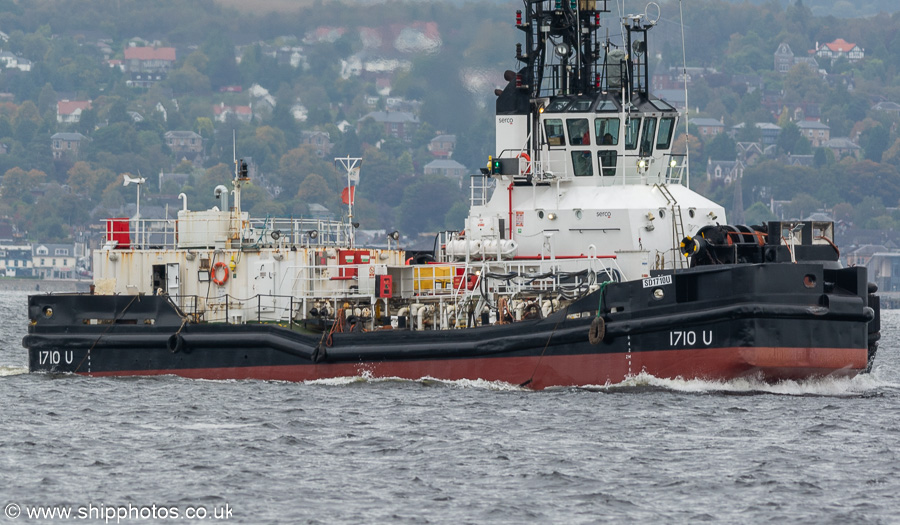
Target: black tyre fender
x,y
319,354
175,344
597,331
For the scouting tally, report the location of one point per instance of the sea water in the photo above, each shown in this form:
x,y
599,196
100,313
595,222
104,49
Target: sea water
x,y
356,450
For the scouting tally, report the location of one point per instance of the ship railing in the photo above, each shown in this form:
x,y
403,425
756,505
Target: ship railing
x,y
677,168
300,231
226,308
481,187
163,234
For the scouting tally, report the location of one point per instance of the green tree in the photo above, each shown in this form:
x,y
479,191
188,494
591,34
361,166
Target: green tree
x,y
759,213
788,138
721,147
427,202
874,142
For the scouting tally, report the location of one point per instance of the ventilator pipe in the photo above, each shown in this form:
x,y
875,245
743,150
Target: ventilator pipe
x,y
417,310
222,192
183,198
546,308
520,309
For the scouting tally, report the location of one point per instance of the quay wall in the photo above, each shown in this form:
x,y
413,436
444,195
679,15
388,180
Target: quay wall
x,y
12,284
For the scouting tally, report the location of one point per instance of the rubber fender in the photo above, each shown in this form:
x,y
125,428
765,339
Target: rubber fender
x,y
597,331
175,343
319,354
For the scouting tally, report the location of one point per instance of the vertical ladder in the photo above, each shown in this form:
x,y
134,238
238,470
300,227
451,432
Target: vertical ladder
x,y
678,261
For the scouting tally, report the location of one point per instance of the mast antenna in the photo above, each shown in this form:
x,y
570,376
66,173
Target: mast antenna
x,y
687,107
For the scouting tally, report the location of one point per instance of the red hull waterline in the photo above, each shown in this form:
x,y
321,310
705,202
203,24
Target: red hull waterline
x,y
768,363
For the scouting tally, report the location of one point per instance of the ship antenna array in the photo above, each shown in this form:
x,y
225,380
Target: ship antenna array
x,y
240,174
687,133
350,164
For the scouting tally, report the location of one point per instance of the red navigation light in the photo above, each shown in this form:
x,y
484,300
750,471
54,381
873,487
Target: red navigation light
x,y
518,17
518,80
597,80
597,19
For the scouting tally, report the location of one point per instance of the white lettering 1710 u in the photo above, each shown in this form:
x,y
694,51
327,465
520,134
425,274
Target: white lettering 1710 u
x,y
689,337
53,357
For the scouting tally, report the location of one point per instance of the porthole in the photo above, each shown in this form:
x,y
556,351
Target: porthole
x,y
692,212
577,214
540,214
662,213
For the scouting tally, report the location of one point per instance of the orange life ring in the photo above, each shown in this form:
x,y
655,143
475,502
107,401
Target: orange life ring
x,y
214,273
527,159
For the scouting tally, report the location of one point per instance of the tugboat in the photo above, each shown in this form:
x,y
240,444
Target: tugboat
x,y
585,259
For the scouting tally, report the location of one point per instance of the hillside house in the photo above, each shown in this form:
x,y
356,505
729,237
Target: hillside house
x,y
149,59
447,168
221,112
66,144
814,131
842,147
785,59
708,127
887,107
185,144
400,124
319,140
840,48
726,171
442,146
69,111
142,79
11,61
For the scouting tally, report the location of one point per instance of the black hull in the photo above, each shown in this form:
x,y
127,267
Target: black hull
x,y
714,323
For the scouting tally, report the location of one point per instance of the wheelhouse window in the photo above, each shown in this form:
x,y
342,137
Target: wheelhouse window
x,y
581,163
554,129
579,131
607,162
580,105
558,105
632,129
607,131
648,136
666,127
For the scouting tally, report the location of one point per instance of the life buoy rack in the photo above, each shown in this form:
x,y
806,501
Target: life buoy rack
x,y
528,160
214,273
